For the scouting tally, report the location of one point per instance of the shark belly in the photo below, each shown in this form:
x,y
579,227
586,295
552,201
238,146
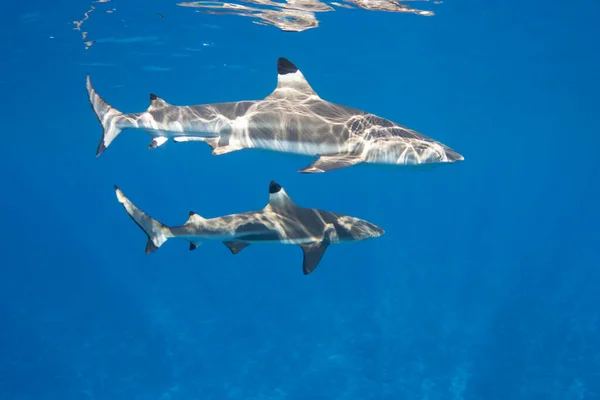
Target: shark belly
x,y
293,147
184,128
266,237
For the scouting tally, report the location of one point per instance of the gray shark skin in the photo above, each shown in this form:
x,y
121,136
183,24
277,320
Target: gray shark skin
x,y
280,221
292,119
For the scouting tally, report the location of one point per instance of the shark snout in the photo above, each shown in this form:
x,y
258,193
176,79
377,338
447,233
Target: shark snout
x,y
375,231
453,155
363,230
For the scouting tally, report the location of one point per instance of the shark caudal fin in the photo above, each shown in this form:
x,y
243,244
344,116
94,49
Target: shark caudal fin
x,y
157,232
111,119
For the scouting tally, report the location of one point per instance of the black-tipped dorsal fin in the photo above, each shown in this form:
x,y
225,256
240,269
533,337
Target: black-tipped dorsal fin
x,y
278,198
285,66
194,218
291,83
157,102
236,247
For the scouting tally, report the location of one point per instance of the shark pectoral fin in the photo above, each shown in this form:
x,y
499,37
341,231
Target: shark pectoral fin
x,y
236,247
157,142
313,253
217,150
329,163
194,245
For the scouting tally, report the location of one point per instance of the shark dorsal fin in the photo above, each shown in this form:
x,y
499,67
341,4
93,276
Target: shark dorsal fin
x,y
157,102
278,198
194,218
291,84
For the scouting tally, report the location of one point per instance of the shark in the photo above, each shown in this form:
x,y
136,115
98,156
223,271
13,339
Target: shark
x,y
281,221
292,119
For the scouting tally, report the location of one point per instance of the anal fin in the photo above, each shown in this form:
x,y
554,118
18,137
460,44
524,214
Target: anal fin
x,y
157,142
213,142
194,245
236,247
331,162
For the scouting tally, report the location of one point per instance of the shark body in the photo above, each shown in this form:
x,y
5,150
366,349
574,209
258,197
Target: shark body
x,y
280,221
292,119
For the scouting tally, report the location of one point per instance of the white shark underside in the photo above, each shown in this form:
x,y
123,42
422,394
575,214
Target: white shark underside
x,y
292,119
281,221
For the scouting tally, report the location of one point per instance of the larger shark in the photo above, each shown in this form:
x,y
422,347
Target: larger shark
x,y
292,119
280,221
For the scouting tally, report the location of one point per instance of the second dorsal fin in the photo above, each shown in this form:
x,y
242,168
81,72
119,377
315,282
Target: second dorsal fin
x,y
157,102
194,218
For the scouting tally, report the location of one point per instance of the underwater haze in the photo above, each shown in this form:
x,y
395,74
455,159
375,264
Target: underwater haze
x,y
485,285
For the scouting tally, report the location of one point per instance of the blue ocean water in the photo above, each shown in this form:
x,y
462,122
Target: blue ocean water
x,y
484,286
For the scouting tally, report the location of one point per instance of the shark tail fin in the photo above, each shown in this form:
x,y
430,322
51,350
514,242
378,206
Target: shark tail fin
x,y
111,119
157,232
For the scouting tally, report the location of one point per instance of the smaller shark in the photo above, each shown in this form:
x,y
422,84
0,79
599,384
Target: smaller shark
x,y
280,221
293,119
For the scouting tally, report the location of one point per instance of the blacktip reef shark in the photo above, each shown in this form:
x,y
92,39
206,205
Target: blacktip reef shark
x,y
280,221
292,119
